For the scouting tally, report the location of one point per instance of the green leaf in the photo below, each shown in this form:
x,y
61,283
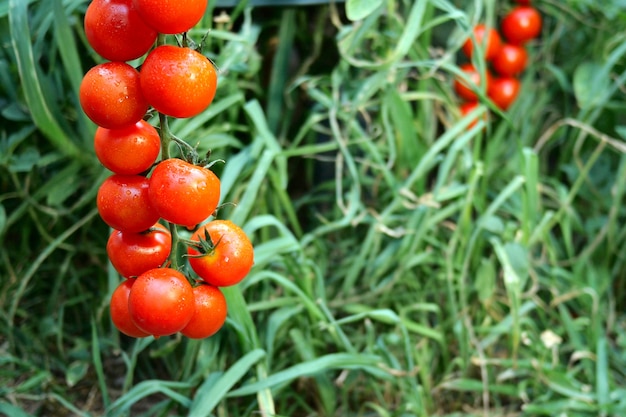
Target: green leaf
x,y
13,411
486,280
590,84
75,372
3,220
324,363
360,9
214,388
40,109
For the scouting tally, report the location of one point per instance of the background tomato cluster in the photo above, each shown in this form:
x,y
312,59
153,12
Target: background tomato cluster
x,y
148,184
505,52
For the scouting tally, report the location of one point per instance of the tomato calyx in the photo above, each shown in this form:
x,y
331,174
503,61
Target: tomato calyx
x,y
204,246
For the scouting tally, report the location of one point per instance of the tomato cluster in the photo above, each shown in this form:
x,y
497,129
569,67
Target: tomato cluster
x,y
162,293
506,55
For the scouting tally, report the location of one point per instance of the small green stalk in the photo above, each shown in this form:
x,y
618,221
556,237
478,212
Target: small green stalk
x,y
166,139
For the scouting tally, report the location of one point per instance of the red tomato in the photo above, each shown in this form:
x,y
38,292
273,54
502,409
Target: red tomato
x,y
465,91
179,82
171,16
225,258
128,150
110,95
132,254
210,312
522,24
510,61
492,42
504,91
120,314
183,193
124,204
161,302
115,30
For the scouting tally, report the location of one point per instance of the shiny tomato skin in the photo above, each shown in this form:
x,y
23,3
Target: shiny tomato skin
x,y
132,254
466,91
178,81
492,45
521,25
124,204
171,16
183,193
503,91
116,31
110,95
161,302
129,150
231,259
510,60
210,312
120,314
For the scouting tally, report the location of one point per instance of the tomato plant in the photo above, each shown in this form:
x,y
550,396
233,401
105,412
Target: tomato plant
x,y
183,193
178,81
110,95
171,16
132,254
210,312
468,92
124,204
120,314
522,24
510,60
220,253
490,45
156,299
128,150
116,31
161,301
503,91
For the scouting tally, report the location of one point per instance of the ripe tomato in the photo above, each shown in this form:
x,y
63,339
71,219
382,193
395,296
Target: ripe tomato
x,y
132,254
522,24
161,301
171,17
210,312
179,82
115,30
225,258
492,42
128,150
110,95
511,60
466,91
504,91
183,193
124,204
120,314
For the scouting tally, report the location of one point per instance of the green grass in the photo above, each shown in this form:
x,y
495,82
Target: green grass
x,y
406,264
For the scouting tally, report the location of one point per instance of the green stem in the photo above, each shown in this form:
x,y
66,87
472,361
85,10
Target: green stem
x,y
161,39
174,258
166,136
166,139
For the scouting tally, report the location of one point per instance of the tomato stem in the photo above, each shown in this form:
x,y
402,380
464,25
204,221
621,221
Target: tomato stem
x,y
166,136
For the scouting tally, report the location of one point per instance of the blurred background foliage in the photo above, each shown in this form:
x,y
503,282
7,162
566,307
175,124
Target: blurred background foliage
x,y
407,264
